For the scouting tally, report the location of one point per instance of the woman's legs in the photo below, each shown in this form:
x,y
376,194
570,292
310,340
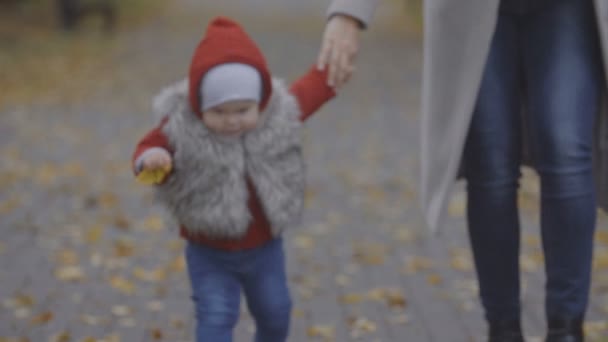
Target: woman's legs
x,y
564,77
492,159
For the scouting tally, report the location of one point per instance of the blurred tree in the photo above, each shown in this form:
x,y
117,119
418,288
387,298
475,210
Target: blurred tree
x,y
72,11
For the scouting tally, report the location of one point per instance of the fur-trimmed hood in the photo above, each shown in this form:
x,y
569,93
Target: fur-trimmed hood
x,y
207,191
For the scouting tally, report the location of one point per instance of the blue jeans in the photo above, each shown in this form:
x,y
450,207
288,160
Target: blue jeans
x,y
217,277
548,63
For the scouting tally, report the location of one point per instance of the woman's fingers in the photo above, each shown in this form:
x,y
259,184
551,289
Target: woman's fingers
x,y
339,49
324,54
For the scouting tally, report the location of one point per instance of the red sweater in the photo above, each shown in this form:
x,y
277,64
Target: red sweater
x,y
311,92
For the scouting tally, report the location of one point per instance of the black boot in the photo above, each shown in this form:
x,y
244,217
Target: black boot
x,y
565,330
505,331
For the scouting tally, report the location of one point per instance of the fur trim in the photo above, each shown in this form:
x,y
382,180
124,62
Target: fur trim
x,y
170,98
207,191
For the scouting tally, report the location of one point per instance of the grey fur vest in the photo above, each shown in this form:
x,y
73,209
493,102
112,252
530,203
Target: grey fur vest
x,y
207,191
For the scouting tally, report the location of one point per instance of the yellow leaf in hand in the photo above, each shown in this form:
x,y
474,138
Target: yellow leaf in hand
x,y
153,176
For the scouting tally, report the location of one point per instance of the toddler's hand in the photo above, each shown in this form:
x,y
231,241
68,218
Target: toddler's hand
x,y
157,160
155,167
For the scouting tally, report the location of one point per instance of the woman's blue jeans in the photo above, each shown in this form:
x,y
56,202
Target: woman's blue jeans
x,y
548,62
217,277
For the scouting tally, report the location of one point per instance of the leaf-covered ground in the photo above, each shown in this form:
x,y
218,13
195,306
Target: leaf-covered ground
x,y
86,255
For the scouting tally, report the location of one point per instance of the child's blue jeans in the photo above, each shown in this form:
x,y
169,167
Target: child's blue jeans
x,y
217,277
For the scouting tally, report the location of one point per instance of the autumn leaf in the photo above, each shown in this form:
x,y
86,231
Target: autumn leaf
x,y
61,337
69,273
391,296
153,223
91,320
342,280
122,284
67,257
94,234
155,305
351,298
325,332
434,279
23,300
360,326
303,242
121,310
121,222
370,254
123,248
155,275
153,176
156,334
42,318
416,264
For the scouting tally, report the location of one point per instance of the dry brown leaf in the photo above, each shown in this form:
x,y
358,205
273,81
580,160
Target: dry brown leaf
x,y
342,280
401,319
69,273
434,279
457,206
304,242
601,236
42,318
94,234
61,337
416,264
461,262
351,298
391,296
122,284
122,222
178,264
67,257
46,174
600,260
156,334
121,310
370,254
91,320
153,223
360,326
123,248
323,331
152,276
22,313
23,300
108,200
10,204
297,313
404,235
127,322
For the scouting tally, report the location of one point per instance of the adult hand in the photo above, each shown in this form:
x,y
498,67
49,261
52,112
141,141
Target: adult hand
x,y
339,49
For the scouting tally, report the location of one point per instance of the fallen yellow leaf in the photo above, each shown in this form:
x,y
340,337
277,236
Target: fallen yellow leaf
x,y
153,176
43,318
69,273
123,285
321,331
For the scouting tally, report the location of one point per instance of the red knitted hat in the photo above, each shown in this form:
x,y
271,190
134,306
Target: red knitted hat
x,y
225,42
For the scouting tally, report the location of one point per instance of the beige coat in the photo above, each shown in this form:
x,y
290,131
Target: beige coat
x,y
457,36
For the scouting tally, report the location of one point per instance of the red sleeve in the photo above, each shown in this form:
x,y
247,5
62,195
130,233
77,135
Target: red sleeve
x,y
154,138
312,91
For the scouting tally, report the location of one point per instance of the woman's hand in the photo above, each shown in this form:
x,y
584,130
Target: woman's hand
x,y
339,49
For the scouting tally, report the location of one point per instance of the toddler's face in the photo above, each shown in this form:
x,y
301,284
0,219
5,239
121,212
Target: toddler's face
x,y
233,118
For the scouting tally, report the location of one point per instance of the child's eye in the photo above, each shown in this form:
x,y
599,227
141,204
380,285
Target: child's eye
x,y
243,110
